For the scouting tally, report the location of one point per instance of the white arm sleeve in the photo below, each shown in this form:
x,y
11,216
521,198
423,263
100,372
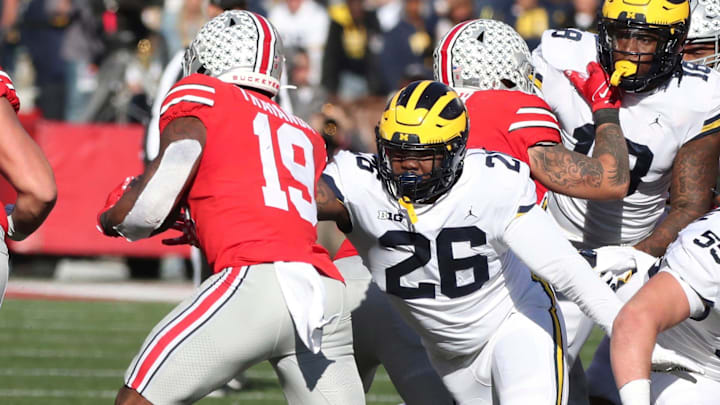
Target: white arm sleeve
x,y
171,74
158,197
537,241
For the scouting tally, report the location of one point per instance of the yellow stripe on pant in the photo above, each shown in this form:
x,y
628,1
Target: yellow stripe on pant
x,y
557,338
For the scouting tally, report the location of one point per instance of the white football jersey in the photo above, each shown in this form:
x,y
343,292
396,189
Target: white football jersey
x,y
453,257
694,257
656,125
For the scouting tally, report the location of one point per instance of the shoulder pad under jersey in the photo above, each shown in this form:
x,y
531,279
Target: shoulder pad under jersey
x,y
568,49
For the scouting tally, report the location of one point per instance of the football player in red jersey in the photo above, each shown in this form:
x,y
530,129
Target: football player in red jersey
x,y
247,170
25,167
484,59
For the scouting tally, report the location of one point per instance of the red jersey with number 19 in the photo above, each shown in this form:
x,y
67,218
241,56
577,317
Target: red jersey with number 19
x,y
253,197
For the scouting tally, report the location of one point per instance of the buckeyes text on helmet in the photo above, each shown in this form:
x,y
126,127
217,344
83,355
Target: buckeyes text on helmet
x,y
483,54
238,47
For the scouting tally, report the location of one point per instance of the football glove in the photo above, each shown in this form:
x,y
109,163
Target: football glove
x,y
111,200
666,360
185,224
616,264
595,87
7,90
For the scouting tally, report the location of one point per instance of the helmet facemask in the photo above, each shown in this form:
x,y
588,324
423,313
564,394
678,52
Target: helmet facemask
x,y
447,162
713,60
654,67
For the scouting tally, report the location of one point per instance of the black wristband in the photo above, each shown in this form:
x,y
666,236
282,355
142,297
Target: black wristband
x,y
606,116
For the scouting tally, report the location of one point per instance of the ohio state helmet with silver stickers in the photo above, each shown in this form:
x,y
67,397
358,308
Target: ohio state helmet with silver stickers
x,y
483,54
705,28
238,47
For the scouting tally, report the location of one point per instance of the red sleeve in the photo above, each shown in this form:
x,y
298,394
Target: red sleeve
x,y
533,121
7,90
192,96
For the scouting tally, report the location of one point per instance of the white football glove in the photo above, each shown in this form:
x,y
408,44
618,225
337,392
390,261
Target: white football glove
x,y
616,264
666,360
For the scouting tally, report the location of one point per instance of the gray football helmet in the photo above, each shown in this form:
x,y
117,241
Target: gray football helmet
x,y
705,28
238,47
483,54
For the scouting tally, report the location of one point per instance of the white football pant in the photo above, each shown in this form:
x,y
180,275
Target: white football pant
x,y
236,319
381,336
522,363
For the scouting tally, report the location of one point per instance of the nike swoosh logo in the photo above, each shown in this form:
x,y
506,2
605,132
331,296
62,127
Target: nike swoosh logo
x,y
604,93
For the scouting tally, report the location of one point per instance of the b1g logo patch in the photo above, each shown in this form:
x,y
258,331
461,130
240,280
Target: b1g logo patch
x,y
389,216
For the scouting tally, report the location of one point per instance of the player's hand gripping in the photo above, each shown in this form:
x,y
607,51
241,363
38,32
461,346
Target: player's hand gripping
x,y
185,224
616,264
666,360
112,199
595,87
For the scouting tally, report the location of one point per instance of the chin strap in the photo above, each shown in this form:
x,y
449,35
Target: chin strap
x,y
405,203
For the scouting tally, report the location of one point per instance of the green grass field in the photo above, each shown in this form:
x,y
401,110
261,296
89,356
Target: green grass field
x,y
75,352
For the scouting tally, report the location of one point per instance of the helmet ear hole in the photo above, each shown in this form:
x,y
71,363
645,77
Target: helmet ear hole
x,y
509,84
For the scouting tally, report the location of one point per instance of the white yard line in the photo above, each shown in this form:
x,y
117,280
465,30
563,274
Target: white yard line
x,y
153,291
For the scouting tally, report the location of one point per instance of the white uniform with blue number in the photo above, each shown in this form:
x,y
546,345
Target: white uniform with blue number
x,y
458,276
656,125
694,259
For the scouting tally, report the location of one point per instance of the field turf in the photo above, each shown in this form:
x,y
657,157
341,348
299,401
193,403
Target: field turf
x,y
76,352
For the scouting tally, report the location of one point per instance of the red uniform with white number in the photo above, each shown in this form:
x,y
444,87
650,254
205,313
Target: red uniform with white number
x,y
253,197
504,121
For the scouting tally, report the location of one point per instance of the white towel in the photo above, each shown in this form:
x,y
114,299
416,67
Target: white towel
x,y
304,294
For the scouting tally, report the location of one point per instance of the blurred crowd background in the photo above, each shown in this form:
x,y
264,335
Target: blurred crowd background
x,y
101,60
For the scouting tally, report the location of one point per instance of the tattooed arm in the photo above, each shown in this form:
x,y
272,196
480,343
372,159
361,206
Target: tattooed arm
x,y
605,176
330,208
693,176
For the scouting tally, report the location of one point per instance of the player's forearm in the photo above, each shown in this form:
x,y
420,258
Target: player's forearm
x,y
666,232
631,346
29,213
611,150
693,176
566,172
329,208
553,258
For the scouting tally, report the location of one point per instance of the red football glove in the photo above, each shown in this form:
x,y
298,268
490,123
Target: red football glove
x,y
7,90
113,198
595,88
186,225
